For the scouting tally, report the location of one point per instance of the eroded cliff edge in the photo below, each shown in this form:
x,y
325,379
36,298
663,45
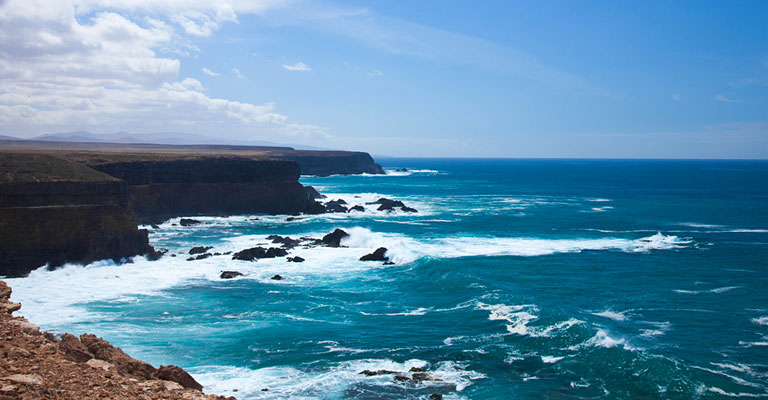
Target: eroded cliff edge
x,y
54,211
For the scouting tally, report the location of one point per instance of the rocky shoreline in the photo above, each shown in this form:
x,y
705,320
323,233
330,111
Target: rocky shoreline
x,y
40,365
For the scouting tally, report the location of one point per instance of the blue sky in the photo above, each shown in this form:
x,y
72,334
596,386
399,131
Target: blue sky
x,y
430,78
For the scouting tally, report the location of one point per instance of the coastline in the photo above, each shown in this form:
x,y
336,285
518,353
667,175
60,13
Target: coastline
x,y
40,365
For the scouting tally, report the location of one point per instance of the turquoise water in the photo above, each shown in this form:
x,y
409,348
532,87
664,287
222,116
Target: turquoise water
x,y
516,279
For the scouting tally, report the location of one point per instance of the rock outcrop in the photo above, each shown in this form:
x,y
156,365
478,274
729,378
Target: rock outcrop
x,y
38,365
378,255
333,239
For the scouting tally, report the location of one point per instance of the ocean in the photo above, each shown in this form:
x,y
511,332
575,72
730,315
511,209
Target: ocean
x,y
516,279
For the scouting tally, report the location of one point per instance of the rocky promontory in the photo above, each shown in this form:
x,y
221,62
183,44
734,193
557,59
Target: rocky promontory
x,y
40,365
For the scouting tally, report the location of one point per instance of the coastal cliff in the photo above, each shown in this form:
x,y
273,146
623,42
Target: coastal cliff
x,y
40,365
82,207
325,163
54,211
160,189
311,162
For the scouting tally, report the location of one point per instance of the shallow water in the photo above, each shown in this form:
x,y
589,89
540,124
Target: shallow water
x,y
516,279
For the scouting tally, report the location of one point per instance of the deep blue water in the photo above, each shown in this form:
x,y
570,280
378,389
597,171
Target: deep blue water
x,y
516,279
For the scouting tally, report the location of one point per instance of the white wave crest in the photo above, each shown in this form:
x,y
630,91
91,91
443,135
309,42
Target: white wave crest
x,y
331,382
616,316
715,290
603,339
519,316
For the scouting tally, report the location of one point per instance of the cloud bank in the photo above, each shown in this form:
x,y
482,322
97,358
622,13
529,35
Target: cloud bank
x,y
107,65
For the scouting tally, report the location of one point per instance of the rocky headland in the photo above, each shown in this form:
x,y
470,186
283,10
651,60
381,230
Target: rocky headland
x,y
83,202
54,211
40,365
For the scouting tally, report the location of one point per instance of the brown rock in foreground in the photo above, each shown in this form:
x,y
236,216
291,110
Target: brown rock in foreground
x,y
37,365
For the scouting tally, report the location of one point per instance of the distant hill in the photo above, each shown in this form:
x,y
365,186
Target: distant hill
x,y
175,138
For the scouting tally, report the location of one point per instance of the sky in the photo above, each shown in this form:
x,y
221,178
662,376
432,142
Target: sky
x,y
591,79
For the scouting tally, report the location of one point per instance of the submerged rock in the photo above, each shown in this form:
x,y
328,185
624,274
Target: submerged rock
x,y
378,255
286,241
255,253
333,239
368,372
230,274
189,222
435,396
199,249
295,259
277,278
386,204
336,206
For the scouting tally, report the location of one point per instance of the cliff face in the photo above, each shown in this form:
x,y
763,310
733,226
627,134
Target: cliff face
x,y
324,163
53,211
163,189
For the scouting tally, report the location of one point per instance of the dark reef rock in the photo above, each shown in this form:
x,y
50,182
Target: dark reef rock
x,y
435,396
295,259
356,208
386,204
286,241
378,255
189,222
368,372
255,253
230,274
333,239
199,249
417,369
336,206
277,278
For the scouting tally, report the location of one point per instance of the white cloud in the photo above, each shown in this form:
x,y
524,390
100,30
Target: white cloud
x,y
237,73
720,97
103,65
211,73
375,73
299,66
